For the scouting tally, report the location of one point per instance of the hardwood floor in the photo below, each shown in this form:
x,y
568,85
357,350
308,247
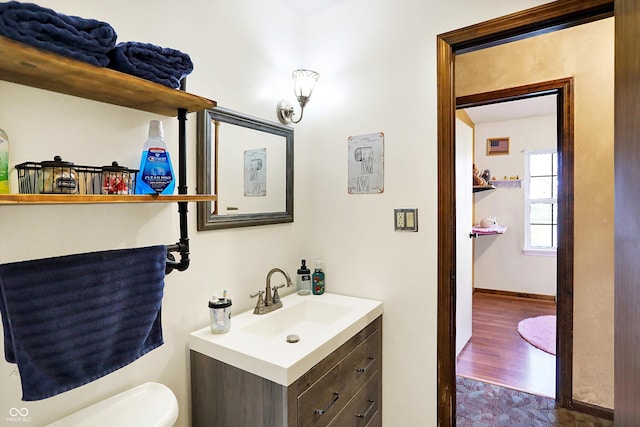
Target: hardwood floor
x,y
497,354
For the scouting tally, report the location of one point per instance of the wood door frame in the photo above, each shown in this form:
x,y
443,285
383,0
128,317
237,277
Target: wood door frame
x,y
563,88
627,228
542,19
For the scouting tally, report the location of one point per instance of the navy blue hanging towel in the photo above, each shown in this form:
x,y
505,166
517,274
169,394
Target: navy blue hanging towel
x,y
70,320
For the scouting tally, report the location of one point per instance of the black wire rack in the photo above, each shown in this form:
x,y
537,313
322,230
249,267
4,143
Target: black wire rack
x,y
34,178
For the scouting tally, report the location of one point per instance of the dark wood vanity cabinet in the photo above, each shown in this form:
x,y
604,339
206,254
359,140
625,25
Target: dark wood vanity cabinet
x,y
342,390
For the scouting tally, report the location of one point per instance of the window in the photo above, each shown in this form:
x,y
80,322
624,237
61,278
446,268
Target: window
x,y
541,202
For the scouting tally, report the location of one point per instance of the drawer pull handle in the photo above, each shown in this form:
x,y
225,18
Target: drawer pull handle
x,y
336,396
366,413
371,360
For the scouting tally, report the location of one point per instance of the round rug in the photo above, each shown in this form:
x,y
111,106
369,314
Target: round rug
x,y
540,332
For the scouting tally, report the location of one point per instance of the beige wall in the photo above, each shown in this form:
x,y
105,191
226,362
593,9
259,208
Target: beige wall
x,y
586,53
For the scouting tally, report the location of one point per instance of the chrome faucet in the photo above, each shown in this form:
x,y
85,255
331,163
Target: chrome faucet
x,y
271,300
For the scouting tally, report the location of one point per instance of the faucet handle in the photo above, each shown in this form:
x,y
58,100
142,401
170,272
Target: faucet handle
x,y
276,297
259,293
260,305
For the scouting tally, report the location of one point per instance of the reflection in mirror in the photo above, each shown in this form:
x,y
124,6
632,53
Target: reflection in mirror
x,y
248,163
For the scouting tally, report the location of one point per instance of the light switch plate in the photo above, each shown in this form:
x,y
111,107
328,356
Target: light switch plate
x,y
405,219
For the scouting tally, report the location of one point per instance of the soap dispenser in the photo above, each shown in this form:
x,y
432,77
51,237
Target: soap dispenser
x,y
318,279
303,279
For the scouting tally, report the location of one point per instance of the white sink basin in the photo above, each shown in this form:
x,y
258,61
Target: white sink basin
x,y
258,343
306,316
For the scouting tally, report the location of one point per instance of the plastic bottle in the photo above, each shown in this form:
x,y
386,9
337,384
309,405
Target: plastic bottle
x,y
317,279
156,172
220,314
4,163
303,279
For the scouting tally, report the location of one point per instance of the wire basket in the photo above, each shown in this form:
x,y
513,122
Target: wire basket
x,y
59,177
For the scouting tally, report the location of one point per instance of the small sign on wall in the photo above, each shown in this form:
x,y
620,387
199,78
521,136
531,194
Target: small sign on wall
x,y
497,146
255,173
366,164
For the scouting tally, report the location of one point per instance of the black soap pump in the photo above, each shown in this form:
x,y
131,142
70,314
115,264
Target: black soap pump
x,y
303,279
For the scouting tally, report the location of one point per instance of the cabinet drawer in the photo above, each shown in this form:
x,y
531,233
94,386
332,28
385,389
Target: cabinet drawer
x,y
321,402
376,421
361,409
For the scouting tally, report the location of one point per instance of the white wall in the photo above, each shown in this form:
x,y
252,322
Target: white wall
x,y
243,54
498,260
378,73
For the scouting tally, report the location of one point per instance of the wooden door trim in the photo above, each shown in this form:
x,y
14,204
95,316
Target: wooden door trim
x,y
545,18
627,229
528,23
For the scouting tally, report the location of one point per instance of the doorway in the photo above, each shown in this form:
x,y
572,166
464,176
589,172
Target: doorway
x,y
510,284
546,18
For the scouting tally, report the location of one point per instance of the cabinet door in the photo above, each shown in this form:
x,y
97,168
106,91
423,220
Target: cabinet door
x,y
223,395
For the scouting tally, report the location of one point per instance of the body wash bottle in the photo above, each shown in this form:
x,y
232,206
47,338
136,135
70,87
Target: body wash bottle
x,y
318,279
156,173
303,279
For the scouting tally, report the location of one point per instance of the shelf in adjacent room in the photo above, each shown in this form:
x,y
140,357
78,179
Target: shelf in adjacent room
x,y
478,188
30,66
477,231
506,183
53,199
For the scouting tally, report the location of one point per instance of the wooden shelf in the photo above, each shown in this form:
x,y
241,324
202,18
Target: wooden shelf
x,y
53,199
30,66
27,65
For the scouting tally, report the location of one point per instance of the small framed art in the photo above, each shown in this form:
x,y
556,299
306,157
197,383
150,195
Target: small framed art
x,y
497,146
366,163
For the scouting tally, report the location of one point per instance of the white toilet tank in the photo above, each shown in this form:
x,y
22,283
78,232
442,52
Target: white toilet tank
x,y
147,405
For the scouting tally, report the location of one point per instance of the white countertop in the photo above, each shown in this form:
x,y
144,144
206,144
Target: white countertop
x,y
257,343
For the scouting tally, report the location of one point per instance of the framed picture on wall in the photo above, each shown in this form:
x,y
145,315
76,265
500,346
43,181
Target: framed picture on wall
x,y
366,164
497,146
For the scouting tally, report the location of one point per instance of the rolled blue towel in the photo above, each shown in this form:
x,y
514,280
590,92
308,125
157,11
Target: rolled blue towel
x,y
83,39
158,64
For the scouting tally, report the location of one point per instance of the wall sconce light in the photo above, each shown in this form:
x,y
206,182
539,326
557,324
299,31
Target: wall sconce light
x,y
304,81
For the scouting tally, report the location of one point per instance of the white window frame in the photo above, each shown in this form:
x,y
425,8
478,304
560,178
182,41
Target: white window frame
x,y
528,249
